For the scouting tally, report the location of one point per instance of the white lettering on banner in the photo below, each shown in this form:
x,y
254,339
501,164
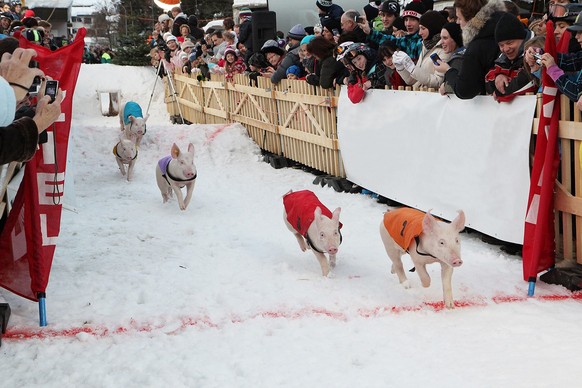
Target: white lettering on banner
x,y
50,188
439,152
18,238
46,240
48,149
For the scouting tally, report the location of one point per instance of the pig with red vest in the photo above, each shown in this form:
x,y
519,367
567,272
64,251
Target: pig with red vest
x,y
314,226
427,241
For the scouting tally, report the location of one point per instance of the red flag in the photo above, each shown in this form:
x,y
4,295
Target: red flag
x,y
28,240
538,243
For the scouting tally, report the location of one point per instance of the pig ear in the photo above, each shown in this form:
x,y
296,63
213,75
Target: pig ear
x,y
336,214
317,216
175,151
459,222
191,148
428,223
131,118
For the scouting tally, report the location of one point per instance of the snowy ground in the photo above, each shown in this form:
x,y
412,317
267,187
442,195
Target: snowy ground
x,y
145,295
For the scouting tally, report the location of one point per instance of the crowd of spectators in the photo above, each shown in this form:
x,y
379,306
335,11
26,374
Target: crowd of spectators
x,y
475,47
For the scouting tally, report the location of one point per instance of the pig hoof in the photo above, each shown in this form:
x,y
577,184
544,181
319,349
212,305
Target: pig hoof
x,y
406,284
450,305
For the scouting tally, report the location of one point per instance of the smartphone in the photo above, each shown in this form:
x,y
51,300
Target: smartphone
x,y
360,19
51,89
435,58
335,32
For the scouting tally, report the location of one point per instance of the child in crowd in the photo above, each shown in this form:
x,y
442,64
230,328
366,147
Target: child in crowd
x,y
365,73
392,78
293,72
234,64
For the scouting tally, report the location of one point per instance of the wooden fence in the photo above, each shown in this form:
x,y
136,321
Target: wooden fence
x,y
298,121
292,119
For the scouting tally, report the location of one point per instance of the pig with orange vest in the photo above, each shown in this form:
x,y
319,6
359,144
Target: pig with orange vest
x,y
427,241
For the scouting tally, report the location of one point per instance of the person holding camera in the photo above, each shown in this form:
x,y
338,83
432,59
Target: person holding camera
x,y
19,138
569,85
508,78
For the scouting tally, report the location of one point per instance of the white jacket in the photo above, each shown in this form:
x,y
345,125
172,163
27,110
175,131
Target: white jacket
x,y
424,74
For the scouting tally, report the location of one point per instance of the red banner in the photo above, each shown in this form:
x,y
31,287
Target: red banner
x,y
28,240
539,245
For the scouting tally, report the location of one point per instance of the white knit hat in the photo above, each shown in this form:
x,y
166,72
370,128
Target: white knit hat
x,y
163,17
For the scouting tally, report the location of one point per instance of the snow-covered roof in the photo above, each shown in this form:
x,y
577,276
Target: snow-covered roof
x,y
83,10
250,3
32,4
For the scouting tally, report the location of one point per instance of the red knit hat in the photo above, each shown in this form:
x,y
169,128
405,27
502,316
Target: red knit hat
x,y
29,13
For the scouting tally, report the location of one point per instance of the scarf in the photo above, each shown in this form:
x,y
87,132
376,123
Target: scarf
x,y
430,43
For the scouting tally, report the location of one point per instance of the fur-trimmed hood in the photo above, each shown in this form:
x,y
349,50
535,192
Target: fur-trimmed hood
x,y
475,25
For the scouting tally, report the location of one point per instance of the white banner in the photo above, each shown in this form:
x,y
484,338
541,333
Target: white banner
x,y
429,151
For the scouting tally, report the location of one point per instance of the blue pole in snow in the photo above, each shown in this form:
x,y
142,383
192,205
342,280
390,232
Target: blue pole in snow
x,y
532,287
42,308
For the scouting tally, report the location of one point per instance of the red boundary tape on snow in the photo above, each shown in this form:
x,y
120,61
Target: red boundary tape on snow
x,y
205,322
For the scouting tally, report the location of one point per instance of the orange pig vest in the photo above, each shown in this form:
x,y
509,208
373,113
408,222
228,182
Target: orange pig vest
x,y
404,225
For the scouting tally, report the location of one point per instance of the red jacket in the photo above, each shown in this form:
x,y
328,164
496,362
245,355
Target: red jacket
x,y
300,208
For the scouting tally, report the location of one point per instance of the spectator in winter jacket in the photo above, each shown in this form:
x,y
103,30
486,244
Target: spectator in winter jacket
x,y
392,79
19,138
410,43
329,69
233,64
179,19
195,31
452,43
478,19
389,11
327,9
296,34
508,78
365,73
571,86
423,74
245,35
331,29
351,23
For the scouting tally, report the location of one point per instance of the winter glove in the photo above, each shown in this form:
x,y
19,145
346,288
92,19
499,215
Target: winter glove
x,y
409,64
398,59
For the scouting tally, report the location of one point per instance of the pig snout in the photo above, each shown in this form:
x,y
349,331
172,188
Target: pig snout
x,y
188,173
455,261
332,250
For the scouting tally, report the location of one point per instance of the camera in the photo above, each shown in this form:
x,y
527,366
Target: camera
x,y
360,19
335,32
538,57
51,89
435,58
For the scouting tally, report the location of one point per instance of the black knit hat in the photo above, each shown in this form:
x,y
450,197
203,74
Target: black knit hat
x,y
455,32
391,7
509,27
399,24
433,21
414,9
324,5
331,24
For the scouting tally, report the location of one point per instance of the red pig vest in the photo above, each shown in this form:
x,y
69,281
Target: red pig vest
x,y
404,225
300,208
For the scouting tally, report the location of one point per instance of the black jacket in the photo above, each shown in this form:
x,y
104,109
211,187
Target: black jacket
x,y
18,141
480,54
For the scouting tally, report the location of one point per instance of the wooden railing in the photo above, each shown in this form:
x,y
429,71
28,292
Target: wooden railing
x,y
292,119
298,121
